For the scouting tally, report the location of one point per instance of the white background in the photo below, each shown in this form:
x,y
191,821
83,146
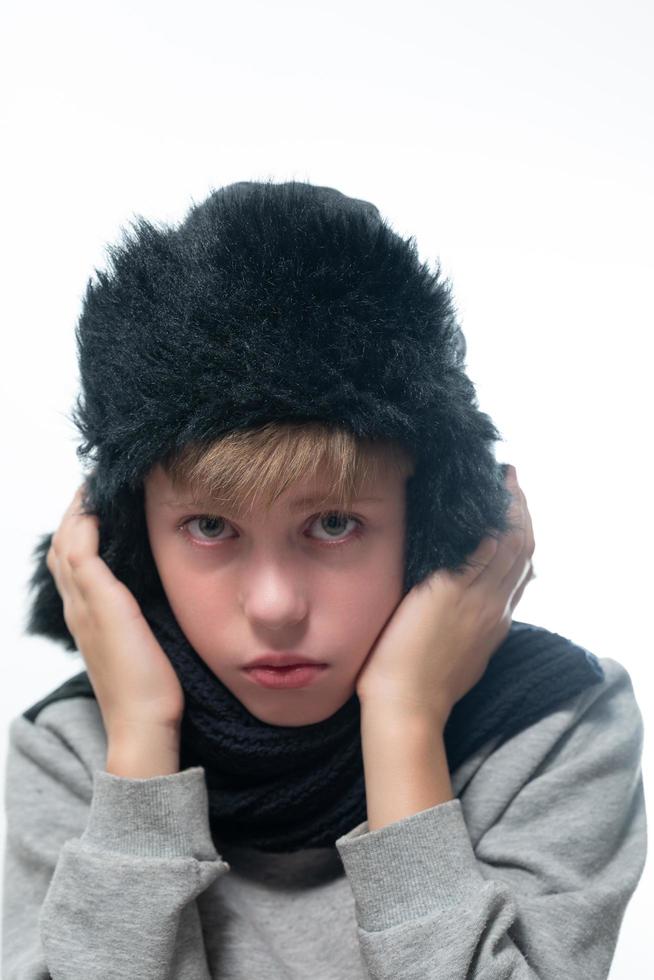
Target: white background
x,y
513,139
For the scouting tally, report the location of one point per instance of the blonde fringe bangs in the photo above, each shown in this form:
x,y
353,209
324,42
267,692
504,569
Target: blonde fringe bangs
x,y
245,468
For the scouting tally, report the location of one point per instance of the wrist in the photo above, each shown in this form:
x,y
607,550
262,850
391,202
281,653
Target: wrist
x,y
142,753
405,764
411,723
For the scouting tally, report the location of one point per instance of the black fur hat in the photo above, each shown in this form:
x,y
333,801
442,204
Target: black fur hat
x,y
274,302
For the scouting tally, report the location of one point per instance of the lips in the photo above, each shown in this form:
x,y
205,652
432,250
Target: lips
x,y
281,660
282,678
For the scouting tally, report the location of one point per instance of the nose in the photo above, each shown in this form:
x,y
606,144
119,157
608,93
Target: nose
x,y
274,600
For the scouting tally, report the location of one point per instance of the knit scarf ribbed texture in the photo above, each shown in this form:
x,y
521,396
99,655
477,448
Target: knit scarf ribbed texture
x,y
282,789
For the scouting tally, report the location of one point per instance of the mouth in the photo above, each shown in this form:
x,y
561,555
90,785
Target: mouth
x,y
294,675
280,660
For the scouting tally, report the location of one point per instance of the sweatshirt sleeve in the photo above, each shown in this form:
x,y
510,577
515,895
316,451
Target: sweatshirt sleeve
x,y
107,890
542,891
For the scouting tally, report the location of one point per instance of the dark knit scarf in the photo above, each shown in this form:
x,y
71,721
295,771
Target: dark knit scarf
x,y
282,789
278,788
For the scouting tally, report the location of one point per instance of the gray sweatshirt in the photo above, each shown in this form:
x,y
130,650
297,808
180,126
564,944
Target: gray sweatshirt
x,y
526,874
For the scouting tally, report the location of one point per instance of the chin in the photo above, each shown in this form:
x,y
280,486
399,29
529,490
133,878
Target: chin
x,y
288,715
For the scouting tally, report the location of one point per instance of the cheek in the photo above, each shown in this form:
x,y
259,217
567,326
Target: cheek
x,y
191,592
207,617
353,617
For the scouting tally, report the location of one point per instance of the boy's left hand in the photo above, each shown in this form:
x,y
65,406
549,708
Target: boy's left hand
x,y
439,640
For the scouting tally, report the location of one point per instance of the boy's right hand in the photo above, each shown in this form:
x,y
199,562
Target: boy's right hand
x,y
138,691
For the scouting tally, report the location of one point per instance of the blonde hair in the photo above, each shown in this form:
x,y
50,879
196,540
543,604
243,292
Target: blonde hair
x,y
259,464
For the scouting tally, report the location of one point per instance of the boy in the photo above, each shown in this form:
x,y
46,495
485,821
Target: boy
x,y
421,789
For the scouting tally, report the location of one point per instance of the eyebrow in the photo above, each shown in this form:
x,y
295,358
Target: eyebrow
x,y
300,504
309,501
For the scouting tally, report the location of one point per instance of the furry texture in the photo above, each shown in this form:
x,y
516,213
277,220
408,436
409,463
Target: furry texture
x,y
274,302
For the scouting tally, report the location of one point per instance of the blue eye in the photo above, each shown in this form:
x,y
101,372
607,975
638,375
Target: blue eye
x,y
334,517
210,526
206,519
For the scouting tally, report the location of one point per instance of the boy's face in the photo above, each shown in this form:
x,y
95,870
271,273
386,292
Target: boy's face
x,y
282,580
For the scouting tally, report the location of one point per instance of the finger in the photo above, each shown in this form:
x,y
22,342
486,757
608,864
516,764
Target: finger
x,y
77,549
74,508
72,535
525,520
52,561
522,569
529,528
78,503
510,544
517,595
82,532
59,545
481,556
